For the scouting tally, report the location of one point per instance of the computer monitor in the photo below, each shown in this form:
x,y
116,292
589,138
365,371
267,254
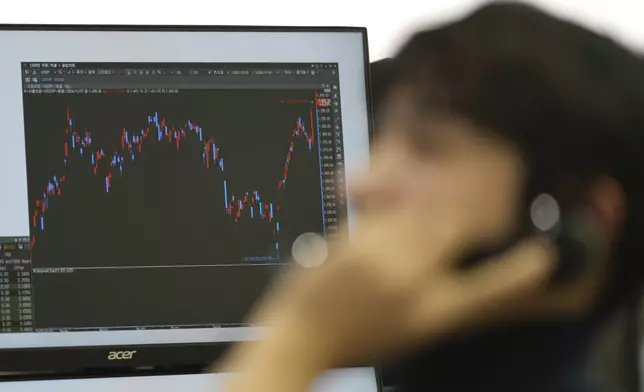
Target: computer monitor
x,y
154,180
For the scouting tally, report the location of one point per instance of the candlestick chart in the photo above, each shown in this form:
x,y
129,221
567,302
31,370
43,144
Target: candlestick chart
x,y
197,177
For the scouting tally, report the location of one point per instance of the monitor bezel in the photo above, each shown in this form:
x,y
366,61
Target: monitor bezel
x,y
48,362
178,359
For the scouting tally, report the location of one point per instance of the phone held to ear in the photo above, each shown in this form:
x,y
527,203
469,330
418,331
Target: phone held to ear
x,y
575,233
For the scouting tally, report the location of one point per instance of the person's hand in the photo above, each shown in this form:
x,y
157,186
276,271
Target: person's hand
x,y
393,285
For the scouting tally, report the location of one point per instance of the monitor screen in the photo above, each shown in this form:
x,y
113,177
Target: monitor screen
x,y
154,180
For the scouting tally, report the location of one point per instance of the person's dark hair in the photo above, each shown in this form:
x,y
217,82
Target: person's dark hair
x,y
571,100
382,75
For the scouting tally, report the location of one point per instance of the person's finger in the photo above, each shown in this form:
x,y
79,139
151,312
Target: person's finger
x,y
503,287
517,284
521,270
491,291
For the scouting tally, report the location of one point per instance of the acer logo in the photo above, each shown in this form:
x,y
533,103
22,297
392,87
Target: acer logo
x,y
120,355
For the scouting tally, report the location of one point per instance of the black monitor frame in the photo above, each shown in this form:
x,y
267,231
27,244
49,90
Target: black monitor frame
x,y
90,361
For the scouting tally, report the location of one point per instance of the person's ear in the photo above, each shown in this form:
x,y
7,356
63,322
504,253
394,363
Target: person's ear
x,y
606,200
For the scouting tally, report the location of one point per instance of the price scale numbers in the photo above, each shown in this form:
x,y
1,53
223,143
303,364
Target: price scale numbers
x,y
331,156
16,305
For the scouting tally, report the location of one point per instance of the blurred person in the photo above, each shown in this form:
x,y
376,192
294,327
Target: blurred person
x,y
443,272
382,74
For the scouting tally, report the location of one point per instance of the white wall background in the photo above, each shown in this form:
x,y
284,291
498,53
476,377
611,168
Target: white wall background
x,y
389,22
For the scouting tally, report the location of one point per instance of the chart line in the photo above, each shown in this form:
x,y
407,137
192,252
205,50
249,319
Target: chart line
x,y
111,166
